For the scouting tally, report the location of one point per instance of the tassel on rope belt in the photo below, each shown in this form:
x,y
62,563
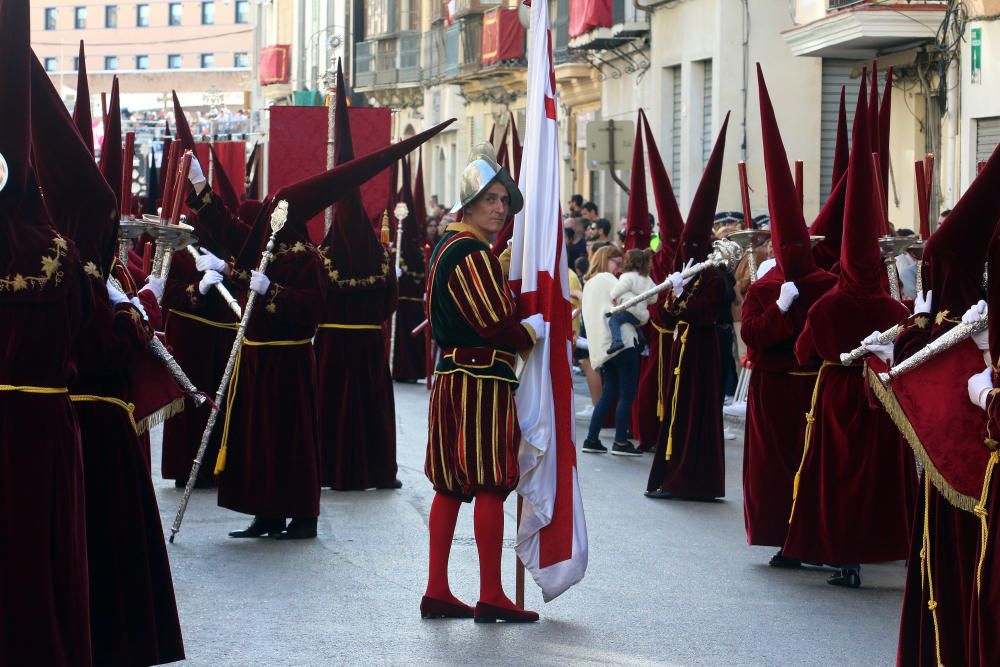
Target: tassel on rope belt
x,y
220,461
232,326
129,408
660,332
677,382
351,327
810,420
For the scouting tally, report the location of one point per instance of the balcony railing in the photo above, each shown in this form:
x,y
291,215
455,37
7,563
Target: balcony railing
x,y
834,5
463,42
387,62
627,23
434,54
467,7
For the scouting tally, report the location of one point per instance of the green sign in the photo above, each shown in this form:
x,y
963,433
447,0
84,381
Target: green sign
x,y
977,55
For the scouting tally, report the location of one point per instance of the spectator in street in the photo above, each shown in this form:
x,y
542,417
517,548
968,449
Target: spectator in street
x,y
633,281
575,206
590,211
576,242
619,371
599,230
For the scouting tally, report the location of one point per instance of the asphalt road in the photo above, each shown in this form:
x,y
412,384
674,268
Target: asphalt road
x,y
669,582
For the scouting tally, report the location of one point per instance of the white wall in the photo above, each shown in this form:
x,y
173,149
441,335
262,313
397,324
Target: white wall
x,y
977,100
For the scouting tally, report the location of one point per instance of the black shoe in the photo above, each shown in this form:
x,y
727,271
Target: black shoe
x,y
615,346
594,446
626,449
848,578
394,484
180,484
260,527
659,494
299,529
784,562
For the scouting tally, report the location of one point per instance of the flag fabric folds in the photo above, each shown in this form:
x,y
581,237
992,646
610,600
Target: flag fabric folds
x,y
552,536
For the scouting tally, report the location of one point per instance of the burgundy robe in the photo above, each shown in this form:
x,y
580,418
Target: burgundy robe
x,y
697,466
358,412
44,614
857,481
984,639
272,446
133,611
410,355
652,402
778,399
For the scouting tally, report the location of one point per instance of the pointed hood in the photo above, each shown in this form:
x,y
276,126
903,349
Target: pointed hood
x,y
184,134
308,197
152,186
78,199
670,222
830,225
82,118
516,149
419,200
111,150
789,236
15,101
956,252
860,257
637,223
224,187
343,144
993,296
884,114
253,174
414,236
841,151
696,240
873,109
506,232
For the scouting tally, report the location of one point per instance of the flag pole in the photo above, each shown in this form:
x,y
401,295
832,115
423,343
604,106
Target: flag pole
x,y
519,572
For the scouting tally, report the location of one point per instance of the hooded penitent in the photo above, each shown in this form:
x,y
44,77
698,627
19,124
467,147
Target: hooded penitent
x,y
76,195
225,186
184,134
111,150
637,223
669,220
81,111
696,240
842,148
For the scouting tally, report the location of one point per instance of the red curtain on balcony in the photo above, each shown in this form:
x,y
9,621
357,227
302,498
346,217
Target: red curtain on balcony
x,y
297,150
585,15
275,64
503,36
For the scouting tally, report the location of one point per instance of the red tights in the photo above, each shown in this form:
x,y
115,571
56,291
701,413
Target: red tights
x,y
488,518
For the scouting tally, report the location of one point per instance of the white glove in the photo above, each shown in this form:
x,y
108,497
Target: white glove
x,y
259,282
399,273
195,174
975,313
883,352
677,282
872,338
208,262
210,278
138,305
154,285
922,303
980,385
789,293
537,324
115,294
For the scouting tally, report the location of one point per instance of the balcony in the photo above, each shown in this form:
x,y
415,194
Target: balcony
x,y
471,7
389,64
861,29
627,23
463,41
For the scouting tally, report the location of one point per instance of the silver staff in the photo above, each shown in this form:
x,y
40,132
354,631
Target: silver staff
x,y
884,338
161,352
401,211
221,289
953,337
278,219
726,253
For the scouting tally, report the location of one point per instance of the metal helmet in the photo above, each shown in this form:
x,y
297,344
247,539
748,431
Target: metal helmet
x,y
483,171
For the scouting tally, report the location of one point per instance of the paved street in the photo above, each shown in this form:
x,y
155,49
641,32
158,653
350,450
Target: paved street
x,y
669,583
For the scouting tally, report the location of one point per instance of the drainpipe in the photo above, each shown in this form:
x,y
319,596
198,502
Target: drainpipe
x,y
952,170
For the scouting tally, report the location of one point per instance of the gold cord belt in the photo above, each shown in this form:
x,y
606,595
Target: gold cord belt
x,y
129,408
233,326
332,325
810,420
220,461
677,381
661,332
28,389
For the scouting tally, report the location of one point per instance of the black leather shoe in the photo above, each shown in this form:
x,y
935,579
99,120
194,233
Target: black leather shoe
x,y
260,527
784,562
394,484
299,528
659,494
848,578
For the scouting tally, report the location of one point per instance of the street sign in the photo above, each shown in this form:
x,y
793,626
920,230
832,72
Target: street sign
x,y
977,55
599,149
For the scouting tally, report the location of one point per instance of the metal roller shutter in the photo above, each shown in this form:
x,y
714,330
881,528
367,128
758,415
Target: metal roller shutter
x,y
675,130
987,138
706,123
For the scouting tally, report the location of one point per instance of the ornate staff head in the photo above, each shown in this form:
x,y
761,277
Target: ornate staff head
x,y
278,218
727,253
401,211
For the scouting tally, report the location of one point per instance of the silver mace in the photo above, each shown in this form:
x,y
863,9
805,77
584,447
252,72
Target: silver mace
x,y
278,219
400,212
884,338
161,352
221,289
727,253
947,340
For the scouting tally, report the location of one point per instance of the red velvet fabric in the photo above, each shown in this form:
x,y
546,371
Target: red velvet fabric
x,y
652,402
133,612
275,64
272,463
585,15
44,617
503,36
984,641
696,468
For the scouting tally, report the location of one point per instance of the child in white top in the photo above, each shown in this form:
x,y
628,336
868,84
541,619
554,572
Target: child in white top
x,y
634,280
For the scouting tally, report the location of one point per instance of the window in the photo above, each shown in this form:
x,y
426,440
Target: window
x,y
50,64
242,11
76,63
142,16
175,13
80,18
50,18
174,61
111,16
110,62
207,12
207,60
241,59
142,62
